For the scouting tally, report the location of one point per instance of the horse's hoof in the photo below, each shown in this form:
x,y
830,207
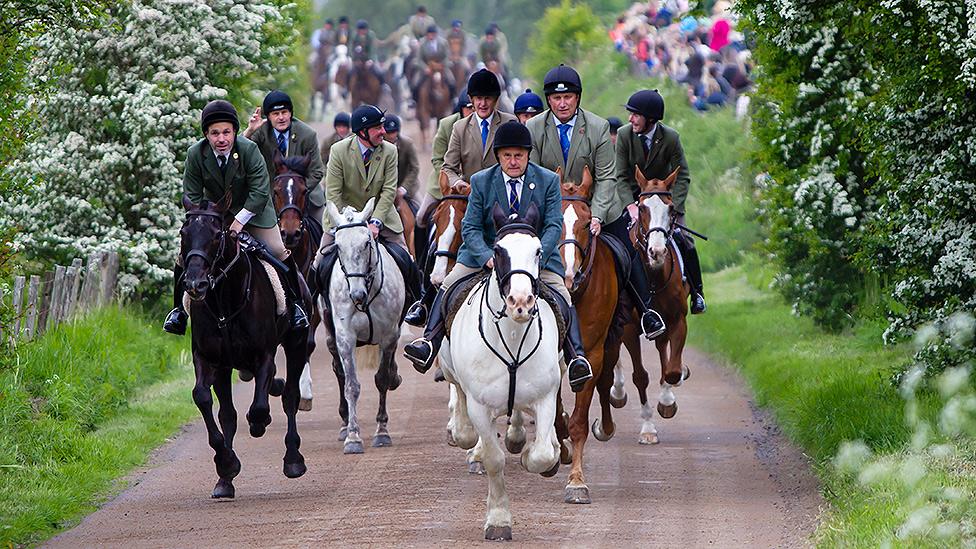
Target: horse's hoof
x,y
685,375
551,472
476,468
577,495
667,412
305,405
277,387
450,439
343,433
514,446
353,448
498,533
257,430
295,470
230,468
618,402
244,375
648,438
380,441
566,452
224,489
597,429
395,382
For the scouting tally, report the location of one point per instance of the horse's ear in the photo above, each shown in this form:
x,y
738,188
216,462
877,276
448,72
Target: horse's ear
x,y
641,180
333,213
587,184
533,218
444,183
279,162
368,209
188,204
498,216
669,181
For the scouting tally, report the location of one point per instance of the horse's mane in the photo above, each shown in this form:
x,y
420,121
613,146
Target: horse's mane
x,y
295,165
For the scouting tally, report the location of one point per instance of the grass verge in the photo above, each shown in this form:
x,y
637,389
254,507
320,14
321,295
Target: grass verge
x,y
80,408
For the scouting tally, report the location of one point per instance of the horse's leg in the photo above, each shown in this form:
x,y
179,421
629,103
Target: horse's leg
x,y
498,520
305,382
451,404
476,458
464,432
579,424
297,362
383,380
542,456
203,398
562,429
671,370
259,414
515,435
353,442
618,396
604,427
343,405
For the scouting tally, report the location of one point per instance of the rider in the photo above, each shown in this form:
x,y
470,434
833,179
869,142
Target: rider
x,y
490,48
408,167
524,183
341,124
363,47
324,35
421,22
342,33
569,137
433,49
221,163
528,105
468,151
656,148
361,168
291,137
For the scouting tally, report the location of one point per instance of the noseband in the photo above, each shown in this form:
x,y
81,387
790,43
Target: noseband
x,y
643,236
213,280
368,277
586,252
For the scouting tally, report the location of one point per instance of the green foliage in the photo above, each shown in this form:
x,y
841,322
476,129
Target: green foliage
x,y
75,415
565,34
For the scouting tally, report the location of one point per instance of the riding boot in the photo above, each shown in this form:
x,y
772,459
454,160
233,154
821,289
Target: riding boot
x,y
423,350
578,369
176,319
693,270
652,325
298,318
417,315
421,245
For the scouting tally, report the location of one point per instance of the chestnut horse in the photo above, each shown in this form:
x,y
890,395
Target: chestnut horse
x,y
407,217
446,227
433,98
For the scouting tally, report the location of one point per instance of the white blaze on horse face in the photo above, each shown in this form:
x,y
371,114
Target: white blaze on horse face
x,y
290,190
569,250
656,240
523,253
443,245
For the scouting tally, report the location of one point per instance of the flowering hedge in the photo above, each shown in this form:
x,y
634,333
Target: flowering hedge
x,y
867,125
105,170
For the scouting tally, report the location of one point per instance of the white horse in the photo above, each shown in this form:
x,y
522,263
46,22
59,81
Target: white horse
x,y
500,324
366,292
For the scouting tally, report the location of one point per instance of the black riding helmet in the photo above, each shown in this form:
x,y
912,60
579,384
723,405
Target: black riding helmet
x,y
392,123
647,103
463,100
562,79
342,119
276,100
219,111
512,134
364,118
484,83
362,24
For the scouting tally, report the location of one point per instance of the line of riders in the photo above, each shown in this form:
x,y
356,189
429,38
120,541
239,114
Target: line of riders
x,y
362,163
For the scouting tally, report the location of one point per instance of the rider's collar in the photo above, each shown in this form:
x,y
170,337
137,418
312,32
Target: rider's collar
x,y
364,148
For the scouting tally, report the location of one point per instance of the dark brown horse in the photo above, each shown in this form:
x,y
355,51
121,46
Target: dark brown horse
x,y
365,85
234,309
433,98
320,93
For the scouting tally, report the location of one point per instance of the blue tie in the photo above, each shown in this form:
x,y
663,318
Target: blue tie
x,y
484,133
564,140
282,145
513,200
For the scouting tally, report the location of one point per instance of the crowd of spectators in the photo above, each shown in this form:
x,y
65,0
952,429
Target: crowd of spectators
x,y
706,54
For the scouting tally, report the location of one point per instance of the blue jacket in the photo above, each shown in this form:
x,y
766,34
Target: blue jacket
x,y
540,186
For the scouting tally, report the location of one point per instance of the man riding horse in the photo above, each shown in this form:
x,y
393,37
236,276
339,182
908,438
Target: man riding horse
x,y
514,183
291,137
341,124
647,143
363,48
468,152
421,22
408,166
527,106
433,57
570,138
224,163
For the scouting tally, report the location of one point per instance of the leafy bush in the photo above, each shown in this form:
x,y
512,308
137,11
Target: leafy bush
x,y
567,33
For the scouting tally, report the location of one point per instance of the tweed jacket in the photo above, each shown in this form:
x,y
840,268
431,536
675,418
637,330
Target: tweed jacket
x,y
465,154
246,177
437,152
589,145
666,155
348,184
539,186
302,140
408,167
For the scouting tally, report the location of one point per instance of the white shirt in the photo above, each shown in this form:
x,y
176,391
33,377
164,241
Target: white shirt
x,y
572,124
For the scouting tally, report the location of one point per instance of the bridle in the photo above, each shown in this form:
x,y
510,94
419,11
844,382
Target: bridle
x,y
586,252
223,320
291,205
368,277
643,236
445,253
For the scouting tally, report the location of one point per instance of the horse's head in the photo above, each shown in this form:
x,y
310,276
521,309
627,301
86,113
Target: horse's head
x,y
518,257
290,195
358,250
204,242
576,223
656,217
446,221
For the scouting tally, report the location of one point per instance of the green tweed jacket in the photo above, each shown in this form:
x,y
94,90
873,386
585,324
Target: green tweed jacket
x,y
348,184
438,150
302,140
246,176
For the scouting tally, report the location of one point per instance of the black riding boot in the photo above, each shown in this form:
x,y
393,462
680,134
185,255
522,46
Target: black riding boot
x,y
176,319
652,325
298,319
693,270
423,350
578,369
417,314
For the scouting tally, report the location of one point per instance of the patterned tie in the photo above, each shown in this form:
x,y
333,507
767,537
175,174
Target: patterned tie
x,y
564,140
513,199
282,144
484,134
366,157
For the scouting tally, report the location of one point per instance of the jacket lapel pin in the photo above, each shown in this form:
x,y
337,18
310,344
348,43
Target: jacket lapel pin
x,y
235,156
531,186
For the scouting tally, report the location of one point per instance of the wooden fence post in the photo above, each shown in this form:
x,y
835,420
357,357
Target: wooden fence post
x,y
74,287
110,276
57,290
29,329
45,307
17,302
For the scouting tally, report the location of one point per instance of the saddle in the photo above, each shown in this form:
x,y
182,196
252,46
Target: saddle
x,y
621,255
408,269
315,231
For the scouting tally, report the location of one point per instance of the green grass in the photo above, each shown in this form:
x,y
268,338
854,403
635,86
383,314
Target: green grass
x,y
80,408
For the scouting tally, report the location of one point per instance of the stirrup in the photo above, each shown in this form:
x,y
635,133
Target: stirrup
x,y
299,320
698,304
583,373
651,332
417,314
176,322
420,363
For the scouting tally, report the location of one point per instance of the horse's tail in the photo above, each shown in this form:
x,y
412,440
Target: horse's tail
x,y
367,357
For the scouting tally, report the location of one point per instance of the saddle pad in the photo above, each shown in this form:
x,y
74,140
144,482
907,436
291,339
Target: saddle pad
x,y
681,259
279,291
